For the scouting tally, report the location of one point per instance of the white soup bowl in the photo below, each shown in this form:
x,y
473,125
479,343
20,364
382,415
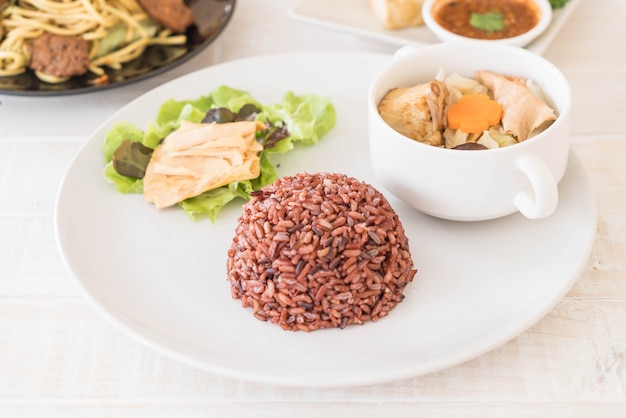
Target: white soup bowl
x,y
471,185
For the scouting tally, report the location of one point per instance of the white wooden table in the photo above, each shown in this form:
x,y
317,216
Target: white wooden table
x,y
59,358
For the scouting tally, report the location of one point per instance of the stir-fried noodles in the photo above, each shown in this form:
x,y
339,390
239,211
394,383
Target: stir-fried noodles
x,y
116,31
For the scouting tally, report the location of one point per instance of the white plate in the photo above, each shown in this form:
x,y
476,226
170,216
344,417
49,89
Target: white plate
x,y
354,16
162,277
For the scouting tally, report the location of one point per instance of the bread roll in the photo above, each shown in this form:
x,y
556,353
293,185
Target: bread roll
x,y
397,14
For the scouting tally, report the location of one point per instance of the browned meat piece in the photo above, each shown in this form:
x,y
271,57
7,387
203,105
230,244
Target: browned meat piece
x,y
59,55
173,14
416,111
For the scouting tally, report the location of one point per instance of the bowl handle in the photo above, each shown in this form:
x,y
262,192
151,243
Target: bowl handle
x,y
406,50
542,200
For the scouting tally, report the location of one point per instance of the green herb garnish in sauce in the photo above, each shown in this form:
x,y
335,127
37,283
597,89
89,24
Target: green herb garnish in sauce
x,y
489,22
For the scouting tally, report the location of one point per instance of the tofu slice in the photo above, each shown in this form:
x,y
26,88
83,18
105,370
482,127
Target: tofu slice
x,y
199,157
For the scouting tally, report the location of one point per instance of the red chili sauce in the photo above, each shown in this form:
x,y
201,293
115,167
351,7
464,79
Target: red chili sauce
x,y
519,16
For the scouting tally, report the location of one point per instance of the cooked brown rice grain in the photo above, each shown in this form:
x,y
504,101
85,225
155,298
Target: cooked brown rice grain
x,y
319,250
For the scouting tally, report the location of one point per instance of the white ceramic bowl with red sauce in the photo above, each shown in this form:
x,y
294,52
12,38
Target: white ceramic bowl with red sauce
x,y
542,6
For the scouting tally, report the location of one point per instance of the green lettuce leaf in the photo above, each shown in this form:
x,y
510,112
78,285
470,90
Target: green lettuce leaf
x,y
123,184
113,140
308,118
117,135
231,98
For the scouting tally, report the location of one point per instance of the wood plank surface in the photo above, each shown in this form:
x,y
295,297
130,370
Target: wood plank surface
x,y
60,358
